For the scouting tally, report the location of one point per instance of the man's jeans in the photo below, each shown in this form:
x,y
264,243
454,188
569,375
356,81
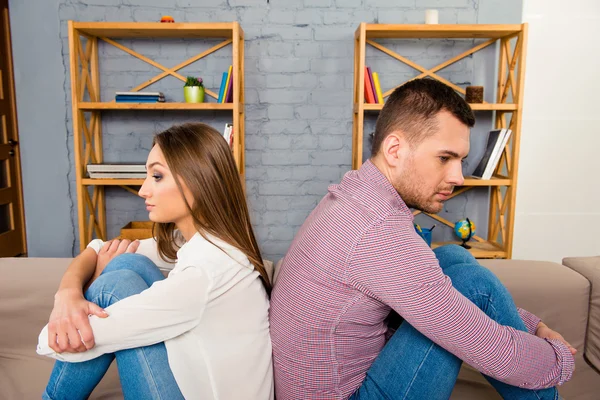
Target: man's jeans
x,y
411,366
144,371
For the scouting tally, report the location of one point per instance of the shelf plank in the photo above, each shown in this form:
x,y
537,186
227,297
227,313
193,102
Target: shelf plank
x,y
156,29
440,31
112,182
154,106
478,249
469,181
474,107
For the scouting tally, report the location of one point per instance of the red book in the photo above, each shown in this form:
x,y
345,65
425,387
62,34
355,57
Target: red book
x,y
372,85
368,88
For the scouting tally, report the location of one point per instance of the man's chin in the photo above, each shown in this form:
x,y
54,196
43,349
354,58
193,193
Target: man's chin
x,y
433,208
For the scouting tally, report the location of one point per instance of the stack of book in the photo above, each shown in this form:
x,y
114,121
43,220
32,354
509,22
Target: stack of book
x,y
497,140
117,171
139,97
373,94
226,89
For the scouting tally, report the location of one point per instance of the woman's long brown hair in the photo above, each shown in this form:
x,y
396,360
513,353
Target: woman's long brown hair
x,y
199,157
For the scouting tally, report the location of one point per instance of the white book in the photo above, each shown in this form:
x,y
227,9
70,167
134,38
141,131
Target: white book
x,y
160,94
117,175
489,171
227,132
116,167
493,141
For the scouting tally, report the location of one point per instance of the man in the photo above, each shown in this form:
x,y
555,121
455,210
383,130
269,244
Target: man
x,y
358,257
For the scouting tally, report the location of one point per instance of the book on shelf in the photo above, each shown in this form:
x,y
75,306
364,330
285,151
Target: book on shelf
x,y
152,94
228,134
372,82
227,83
117,175
222,87
369,97
497,140
117,167
377,88
139,97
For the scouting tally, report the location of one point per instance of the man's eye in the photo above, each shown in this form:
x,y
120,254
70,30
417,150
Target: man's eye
x,y
444,159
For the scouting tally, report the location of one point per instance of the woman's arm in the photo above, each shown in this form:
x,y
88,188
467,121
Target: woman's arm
x,y
69,322
167,309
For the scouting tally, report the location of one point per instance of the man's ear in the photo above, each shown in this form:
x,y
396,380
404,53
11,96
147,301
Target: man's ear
x,y
394,147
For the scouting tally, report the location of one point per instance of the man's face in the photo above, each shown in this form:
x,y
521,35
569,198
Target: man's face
x,y
430,170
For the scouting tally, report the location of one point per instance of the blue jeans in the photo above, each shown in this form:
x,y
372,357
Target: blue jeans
x,y
144,371
411,366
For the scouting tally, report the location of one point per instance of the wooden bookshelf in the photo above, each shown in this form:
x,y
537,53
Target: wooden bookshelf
x,y
509,79
88,106
84,38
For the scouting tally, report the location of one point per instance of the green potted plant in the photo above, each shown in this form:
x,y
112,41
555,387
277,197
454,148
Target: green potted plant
x,y
193,90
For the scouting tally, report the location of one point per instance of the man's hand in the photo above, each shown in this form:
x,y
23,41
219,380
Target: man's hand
x,y
69,328
546,333
112,249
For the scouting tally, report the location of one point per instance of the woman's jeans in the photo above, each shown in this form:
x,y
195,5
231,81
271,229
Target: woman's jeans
x,y
144,371
411,366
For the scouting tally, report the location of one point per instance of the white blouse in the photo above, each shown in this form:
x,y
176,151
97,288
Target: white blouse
x,y
211,312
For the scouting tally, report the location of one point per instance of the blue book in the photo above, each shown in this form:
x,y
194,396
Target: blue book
x,y
138,101
222,89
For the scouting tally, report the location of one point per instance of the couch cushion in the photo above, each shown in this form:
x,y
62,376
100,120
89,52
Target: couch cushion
x,y
27,288
589,267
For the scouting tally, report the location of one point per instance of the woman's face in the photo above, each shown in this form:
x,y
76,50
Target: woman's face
x,y
164,202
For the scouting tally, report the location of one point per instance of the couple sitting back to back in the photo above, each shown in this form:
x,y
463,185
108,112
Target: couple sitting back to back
x,y
206,332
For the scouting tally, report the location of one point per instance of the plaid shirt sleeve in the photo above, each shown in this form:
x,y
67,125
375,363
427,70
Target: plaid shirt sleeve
x,y
409,280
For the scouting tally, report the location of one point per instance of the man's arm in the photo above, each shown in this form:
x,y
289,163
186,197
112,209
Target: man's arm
x,y
409,279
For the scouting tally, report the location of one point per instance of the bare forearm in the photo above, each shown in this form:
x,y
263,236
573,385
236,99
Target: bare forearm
x,y
80,271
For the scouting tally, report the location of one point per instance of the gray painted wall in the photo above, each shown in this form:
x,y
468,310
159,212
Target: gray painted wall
x,y
298,90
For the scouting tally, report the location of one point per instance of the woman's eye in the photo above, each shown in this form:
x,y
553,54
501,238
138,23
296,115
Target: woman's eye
x,y
157,177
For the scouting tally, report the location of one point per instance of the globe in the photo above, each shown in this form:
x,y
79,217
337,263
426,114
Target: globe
x,y
464,229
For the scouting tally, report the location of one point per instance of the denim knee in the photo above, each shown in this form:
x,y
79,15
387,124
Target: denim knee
x,y
114,286
453,254
473,279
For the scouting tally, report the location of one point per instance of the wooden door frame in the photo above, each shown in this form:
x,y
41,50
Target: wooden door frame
x,y
13,131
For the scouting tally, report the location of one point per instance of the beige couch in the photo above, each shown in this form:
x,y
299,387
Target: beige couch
x,y
566,297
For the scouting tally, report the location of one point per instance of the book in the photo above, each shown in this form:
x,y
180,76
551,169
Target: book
x,y
496,157
372,84
116,167
377,88
157,94
222,87
229,96
369,98
117,175
139,100
227,132
483,169
227,84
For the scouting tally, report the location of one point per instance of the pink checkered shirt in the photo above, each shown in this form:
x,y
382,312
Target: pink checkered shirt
x,y
356,257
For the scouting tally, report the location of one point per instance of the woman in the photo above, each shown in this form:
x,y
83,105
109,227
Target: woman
x,y
202,332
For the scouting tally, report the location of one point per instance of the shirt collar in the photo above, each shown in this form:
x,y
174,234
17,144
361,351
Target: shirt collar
x,y
370,173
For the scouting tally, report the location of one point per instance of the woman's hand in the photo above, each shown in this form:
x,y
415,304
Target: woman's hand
x,y
112,249
69,327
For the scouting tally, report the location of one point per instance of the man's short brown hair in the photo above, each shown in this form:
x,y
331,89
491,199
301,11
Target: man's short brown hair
x,y
412,109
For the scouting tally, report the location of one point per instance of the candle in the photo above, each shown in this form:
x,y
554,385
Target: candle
x,y
431,16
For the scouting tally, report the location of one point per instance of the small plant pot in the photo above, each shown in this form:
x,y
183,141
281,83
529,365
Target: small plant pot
x,y
193,94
